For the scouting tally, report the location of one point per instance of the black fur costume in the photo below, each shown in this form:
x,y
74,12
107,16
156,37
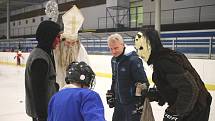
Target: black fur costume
x,y
177,82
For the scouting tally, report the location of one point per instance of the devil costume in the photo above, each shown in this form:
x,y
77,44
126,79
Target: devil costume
x,y
40,76
177,82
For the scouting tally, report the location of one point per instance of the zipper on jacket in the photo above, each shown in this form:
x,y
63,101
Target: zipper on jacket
x,y
117,69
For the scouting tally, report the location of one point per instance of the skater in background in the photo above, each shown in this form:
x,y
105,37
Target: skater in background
x,y
18,57
69,48
40,75
177,82
129,81
76,101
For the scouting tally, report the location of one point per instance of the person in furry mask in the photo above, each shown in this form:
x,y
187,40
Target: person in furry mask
x,y
176,80
69,47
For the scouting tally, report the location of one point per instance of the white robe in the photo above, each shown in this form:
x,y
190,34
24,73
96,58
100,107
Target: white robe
x,y
61,73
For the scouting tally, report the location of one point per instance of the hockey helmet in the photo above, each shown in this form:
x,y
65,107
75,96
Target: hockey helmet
x,y
80,72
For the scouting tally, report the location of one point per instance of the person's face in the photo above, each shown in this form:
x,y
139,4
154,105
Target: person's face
x,y
56,42
116,48
70,42
143,46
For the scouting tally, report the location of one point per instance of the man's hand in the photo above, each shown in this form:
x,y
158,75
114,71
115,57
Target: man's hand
x,y
110,98
141,89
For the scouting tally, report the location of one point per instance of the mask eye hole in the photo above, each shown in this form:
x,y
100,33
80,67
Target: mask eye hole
x,y
138,35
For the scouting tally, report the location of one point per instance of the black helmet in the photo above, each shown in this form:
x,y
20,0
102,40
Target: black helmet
x,y
81,73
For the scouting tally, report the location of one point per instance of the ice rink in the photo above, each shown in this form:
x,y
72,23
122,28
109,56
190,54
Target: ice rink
x,y
12,93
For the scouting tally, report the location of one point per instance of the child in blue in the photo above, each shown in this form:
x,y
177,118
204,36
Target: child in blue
x,y
76,102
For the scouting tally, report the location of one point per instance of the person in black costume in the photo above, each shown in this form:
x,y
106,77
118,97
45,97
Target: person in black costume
x,y
40,75
176,80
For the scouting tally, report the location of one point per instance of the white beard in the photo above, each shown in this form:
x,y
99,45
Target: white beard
x,y
64,56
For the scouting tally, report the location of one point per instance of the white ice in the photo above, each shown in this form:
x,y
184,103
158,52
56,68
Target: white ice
x,y
12,93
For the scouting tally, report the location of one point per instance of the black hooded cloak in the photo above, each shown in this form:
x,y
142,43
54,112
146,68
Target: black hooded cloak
x,y
180,86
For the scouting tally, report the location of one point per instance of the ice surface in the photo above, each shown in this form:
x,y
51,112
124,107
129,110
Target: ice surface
x,y
12,93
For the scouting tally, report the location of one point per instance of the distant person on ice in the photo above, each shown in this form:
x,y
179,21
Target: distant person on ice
x,y
176,80
69,48
76,101
18,57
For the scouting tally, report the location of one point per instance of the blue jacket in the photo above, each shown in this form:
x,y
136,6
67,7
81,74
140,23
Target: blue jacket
x,y
76,104
127,70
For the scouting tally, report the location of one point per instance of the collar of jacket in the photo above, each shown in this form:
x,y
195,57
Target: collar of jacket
x,y
70,86
128,50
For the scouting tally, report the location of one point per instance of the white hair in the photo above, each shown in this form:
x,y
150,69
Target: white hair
x,y
115,38
64,55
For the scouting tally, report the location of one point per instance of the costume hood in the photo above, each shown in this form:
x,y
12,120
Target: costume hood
x,y
46,34
153,37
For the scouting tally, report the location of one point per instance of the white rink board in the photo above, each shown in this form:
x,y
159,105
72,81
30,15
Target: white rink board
x,y
101,63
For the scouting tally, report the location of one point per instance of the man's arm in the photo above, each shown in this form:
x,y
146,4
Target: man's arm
x,y
93,109
184,83
139,76
39,70
110,94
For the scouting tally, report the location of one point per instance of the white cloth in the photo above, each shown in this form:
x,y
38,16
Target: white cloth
x,y
72,20
69,86
61,73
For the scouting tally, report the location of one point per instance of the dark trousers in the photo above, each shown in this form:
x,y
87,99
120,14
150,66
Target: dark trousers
x,y
125,112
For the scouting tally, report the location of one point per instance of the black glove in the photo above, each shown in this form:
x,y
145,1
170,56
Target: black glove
x,y
154,95
168,116
139,105
110,98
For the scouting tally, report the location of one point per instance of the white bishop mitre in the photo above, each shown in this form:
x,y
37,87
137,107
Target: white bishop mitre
x,y
72,20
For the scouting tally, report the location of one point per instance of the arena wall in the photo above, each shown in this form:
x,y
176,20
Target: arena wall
x,y
102,66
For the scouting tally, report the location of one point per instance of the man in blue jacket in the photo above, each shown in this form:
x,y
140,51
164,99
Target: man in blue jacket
x,y
129,81
76,101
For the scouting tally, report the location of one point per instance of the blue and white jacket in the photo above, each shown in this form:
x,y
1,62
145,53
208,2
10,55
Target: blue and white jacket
x,y
76,104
